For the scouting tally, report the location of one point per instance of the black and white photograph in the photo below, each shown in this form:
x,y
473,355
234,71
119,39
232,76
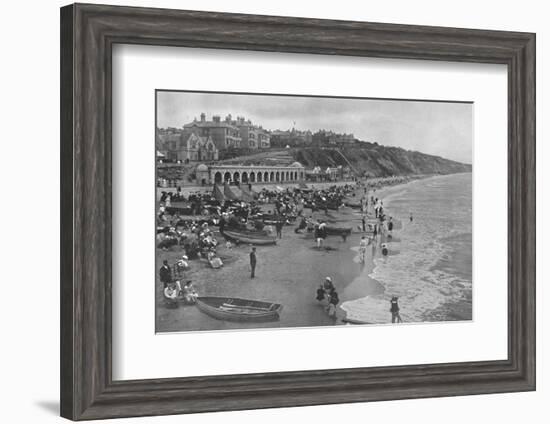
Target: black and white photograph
x,y
282,211
275,212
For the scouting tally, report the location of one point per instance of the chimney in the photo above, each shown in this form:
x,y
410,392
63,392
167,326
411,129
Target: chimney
x,y
228,118
203,117
216,118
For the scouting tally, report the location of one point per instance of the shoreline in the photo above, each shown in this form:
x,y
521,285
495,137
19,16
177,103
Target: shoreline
x,y
373,287
451,310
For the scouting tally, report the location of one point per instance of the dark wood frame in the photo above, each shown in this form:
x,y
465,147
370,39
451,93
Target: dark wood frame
x,y
88,33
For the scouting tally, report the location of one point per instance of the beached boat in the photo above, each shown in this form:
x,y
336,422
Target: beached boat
x,y
271,219
180,210
337,231
234,309
316,206
249,237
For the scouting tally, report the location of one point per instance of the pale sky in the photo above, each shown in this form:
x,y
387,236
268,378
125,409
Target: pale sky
x,y
437,128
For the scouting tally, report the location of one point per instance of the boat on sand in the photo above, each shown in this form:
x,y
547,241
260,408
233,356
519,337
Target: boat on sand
x,y
338,231
235,309
249,237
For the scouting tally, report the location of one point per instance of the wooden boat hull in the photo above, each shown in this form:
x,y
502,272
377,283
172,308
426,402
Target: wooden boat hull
x,y
248,238
337,231
181,210
272,219
240,310
321,206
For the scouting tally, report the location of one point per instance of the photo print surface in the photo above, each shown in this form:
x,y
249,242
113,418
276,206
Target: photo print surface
x,y
280,211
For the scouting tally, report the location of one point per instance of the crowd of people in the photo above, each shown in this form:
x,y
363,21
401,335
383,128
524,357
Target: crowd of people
x,y
173,290
189,223
328,296
196,239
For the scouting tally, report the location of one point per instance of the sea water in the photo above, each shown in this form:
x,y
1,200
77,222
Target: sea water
x,y
429,266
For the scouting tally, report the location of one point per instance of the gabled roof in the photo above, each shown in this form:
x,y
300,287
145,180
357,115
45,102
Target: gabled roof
x,y
201,140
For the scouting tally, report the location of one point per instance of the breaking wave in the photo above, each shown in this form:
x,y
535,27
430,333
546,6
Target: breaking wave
x,y
430,268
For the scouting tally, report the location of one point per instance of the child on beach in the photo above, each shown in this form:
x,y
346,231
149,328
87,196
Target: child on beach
x,y
333,300
189,293
171,295
214,260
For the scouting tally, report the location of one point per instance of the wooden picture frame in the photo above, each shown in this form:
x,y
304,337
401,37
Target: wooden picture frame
x,y
88,33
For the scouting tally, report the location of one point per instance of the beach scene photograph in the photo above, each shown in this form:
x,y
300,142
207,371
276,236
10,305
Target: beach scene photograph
x,y
285,211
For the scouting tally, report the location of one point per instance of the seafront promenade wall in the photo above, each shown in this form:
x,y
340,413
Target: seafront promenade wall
x,y
186,190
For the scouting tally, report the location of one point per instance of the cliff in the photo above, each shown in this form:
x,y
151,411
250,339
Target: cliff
x,y
377,161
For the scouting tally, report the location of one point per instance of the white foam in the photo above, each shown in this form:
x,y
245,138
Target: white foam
x,y
441,208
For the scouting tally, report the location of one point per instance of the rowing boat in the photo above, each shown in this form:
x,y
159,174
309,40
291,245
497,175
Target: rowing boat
x,y
235,309
337,231
249,238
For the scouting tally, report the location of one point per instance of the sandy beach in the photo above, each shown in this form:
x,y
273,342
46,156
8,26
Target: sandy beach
x,y
288,273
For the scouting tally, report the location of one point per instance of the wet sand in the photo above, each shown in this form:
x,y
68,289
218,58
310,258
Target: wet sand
x,y
288,273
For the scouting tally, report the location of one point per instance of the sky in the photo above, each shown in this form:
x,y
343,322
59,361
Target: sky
x,y
437,128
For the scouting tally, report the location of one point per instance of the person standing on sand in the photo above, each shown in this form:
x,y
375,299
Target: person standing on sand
x,y
165,274
320,234
252,262
394,309
411,217
364,222
316,234
279,227
363,248
333,300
